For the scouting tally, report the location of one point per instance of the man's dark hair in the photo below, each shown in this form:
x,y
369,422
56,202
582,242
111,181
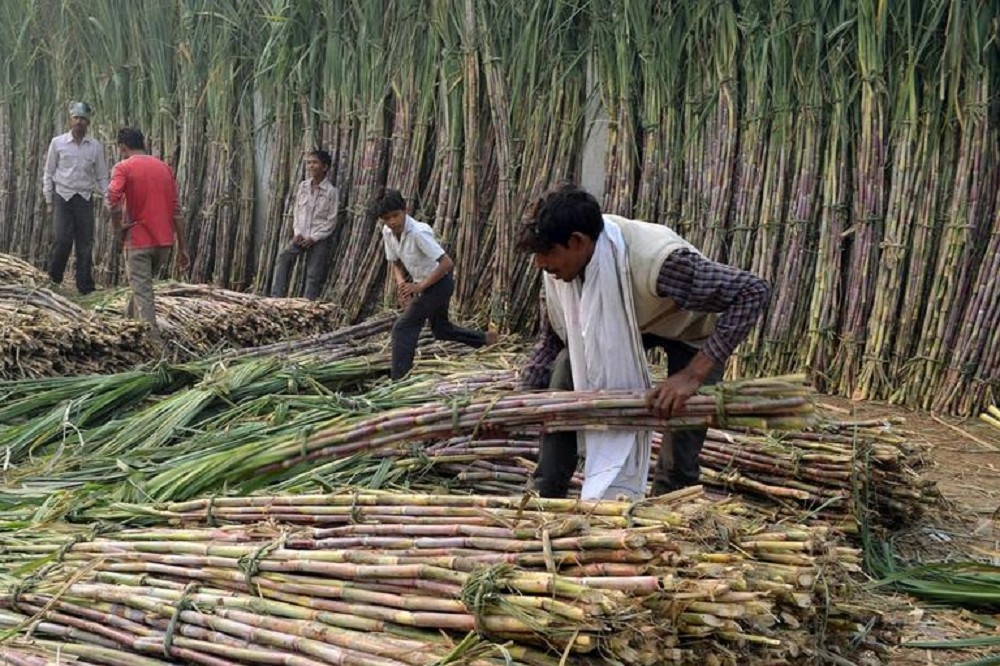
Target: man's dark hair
x,y
323,156
389,201
131,138
557,215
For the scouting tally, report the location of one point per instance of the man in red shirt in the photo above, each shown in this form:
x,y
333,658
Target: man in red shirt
x,y
148,190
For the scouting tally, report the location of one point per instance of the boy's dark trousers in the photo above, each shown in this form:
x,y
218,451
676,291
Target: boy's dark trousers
x,y
432,304
317,266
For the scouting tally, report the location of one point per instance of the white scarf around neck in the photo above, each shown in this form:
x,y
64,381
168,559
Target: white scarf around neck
x,y
605,352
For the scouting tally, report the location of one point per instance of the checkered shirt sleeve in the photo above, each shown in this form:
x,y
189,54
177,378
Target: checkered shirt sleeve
x,y
699,284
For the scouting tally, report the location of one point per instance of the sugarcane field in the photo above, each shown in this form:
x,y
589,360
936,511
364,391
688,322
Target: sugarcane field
x,y
484,333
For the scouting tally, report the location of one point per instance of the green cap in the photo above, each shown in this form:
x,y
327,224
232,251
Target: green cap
x,y
81,109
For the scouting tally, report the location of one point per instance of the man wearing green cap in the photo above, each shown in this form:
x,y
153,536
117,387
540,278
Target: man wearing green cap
x,y
75,168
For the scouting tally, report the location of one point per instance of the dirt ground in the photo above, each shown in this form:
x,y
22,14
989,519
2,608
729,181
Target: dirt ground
x,y
965,464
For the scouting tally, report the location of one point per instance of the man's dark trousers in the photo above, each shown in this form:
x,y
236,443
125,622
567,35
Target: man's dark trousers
x,y
74,226
677,465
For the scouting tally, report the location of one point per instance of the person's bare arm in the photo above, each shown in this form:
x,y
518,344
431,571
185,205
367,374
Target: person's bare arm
x,y
183,260
399,275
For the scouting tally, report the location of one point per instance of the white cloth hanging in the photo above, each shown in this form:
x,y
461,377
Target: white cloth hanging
x,y
605,352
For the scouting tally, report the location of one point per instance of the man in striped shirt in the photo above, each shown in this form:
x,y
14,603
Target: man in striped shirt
x,y
75,168
313,217
695,309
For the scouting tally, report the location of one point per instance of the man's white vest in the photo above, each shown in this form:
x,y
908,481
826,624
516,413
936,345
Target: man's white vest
x,y
648,247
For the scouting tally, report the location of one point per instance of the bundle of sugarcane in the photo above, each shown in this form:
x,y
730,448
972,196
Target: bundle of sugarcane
x,y
876,480
125,628
14,270
763,403
456,465
45,334
15,296
635,583
155,407
837,467
35,652
991,416
201,317
850,471
75,444
326,344
248,426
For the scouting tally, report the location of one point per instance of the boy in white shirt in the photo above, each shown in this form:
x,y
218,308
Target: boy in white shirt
x,y
410,247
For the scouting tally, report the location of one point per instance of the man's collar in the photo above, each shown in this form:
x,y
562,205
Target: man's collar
x,y
69,137
408,226
323,183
